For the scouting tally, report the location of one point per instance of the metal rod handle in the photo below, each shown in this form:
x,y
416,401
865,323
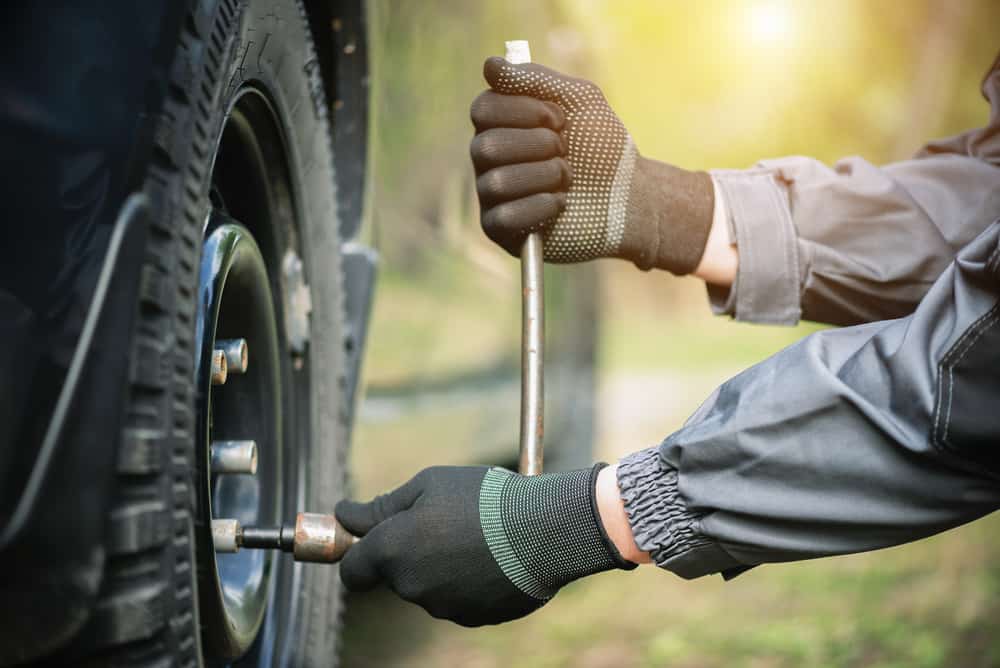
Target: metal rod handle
x,y
532,353
532,328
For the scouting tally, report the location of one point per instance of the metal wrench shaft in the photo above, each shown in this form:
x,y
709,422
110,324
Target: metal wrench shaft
x,y
532,353
532,330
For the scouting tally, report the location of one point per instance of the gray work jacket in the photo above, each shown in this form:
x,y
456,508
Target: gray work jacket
x,y
856,438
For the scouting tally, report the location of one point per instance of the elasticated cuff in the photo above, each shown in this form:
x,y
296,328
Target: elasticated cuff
x,y
544,530
767,285
661,522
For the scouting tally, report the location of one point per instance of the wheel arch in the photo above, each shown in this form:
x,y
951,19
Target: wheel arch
x,y
340,32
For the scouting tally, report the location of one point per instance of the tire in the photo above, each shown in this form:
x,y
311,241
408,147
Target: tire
x,y
148,613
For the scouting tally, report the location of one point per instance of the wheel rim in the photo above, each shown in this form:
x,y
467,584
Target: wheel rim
x,y
249,265
236,302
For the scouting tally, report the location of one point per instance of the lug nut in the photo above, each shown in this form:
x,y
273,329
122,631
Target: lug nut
x,y
237,354
234,457
219,367
226,535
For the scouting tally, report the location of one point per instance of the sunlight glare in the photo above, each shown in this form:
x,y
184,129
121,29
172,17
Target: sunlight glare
x,y
769,22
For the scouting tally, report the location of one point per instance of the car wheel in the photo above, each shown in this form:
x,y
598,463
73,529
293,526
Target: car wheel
x,y
242,269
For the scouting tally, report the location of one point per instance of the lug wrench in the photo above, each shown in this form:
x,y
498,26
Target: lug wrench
x,y
319,538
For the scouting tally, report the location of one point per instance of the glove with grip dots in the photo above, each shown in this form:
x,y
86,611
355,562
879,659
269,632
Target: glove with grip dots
x,y
551,156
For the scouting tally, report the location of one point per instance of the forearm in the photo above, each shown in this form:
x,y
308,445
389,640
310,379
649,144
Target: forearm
x,y
855,242
847,441
850,243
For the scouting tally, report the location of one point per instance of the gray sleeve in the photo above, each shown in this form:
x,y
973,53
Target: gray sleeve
x,y
850,243
855,242
850,440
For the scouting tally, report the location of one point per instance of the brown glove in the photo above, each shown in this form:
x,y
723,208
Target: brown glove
x,y
550,155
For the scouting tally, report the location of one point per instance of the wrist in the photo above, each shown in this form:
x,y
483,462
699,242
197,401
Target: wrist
x,y
720,260
611,512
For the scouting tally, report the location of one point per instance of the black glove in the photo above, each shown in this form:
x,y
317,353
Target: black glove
x,y
550,155
478,545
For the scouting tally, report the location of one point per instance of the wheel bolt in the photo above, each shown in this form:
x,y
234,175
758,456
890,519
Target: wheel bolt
x,y
226,535
219,367
234,457
237,354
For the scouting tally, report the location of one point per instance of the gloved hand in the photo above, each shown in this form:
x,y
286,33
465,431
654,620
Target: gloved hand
x,y
478,545
551,155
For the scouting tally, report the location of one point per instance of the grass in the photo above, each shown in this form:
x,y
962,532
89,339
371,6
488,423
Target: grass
x,y
670,327
445,317
928,604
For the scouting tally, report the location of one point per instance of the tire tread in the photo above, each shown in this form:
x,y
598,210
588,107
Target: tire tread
x,y
147,613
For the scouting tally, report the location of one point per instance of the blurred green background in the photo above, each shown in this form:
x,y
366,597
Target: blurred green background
x,y
700,84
